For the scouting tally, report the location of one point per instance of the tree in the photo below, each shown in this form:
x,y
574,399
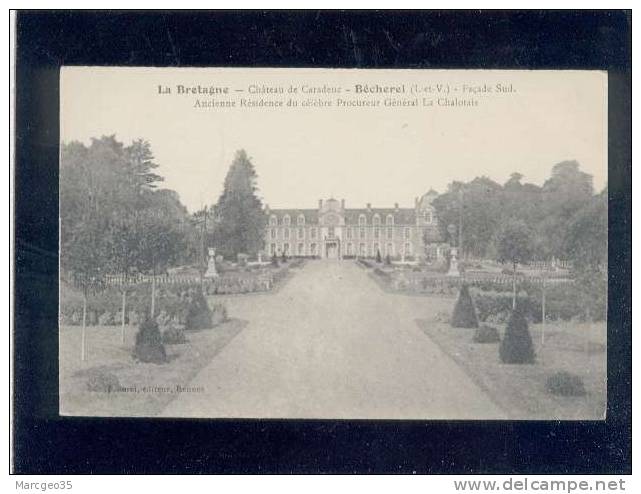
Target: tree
x,y
477,205
240,218
587,247
123,252
160,242
514,246
84,258
140,166
563,195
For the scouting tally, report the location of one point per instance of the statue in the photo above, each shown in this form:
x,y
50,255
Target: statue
x,y
453,271
211,264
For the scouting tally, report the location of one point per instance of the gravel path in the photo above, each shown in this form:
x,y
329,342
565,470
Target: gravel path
x,y
332,344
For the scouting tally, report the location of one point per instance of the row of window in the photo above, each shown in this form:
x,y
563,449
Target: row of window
x,y
428,217
349,233
384,249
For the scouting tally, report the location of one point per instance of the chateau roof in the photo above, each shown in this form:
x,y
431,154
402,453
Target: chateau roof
x,y
311,215
402,216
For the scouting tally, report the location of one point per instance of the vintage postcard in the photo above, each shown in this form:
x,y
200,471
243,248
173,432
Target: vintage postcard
x,y
333,244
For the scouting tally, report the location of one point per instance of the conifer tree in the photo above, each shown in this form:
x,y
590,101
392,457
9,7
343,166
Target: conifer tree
x,y
464,315
240,214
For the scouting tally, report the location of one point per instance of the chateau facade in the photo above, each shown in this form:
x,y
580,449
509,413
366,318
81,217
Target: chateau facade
x,y
333,231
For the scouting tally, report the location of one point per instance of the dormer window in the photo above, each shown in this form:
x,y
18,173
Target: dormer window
x,y
273,221
286,220
362,221
389,220
377,220
301,220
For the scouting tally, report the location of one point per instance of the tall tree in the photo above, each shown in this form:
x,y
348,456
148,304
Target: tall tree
x,y
240,218
478,204
84,258
141,165
563,194
514,246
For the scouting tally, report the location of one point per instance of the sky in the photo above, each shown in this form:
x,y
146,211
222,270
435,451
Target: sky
x,y
381,155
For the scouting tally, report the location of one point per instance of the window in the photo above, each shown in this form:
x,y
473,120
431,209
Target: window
x,y
273,233
349,233
377,220
286,233
301,232
287,220
273,221
312,249
377,232
362,221
301,219
330,231
313,232
272,249
362,233
376,249
408,233
362,250
428,216
301,249
389,220
390,233
285,248
350,249
408,249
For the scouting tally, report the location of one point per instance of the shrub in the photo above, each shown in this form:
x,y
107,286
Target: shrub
x,y
274,260
219,314
378,257
174,335
565,384
101,381
464,315
486,334
198,312
149,346
516,347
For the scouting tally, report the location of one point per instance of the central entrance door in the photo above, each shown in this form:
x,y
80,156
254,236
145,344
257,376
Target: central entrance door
x,y
331,250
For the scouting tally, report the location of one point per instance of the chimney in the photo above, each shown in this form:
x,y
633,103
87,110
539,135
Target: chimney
x,y
416,202
369,206
320,204
266,208
342,203
396,206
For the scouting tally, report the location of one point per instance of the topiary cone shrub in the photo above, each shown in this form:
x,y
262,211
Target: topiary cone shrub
x,y
464,315
564,383
149,346
198,312
516,346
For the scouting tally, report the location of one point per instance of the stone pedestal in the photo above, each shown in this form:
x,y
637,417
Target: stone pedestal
x,y
211,264
453,271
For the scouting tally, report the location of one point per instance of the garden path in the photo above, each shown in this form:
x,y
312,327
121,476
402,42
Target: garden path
x,y
332,344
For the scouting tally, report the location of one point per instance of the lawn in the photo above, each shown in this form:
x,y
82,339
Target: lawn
x,y
147,388
520,390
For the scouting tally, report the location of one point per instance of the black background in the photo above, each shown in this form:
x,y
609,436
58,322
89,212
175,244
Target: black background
x,y
47,443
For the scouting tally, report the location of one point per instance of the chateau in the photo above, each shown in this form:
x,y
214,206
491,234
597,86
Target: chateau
x,y
333,231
